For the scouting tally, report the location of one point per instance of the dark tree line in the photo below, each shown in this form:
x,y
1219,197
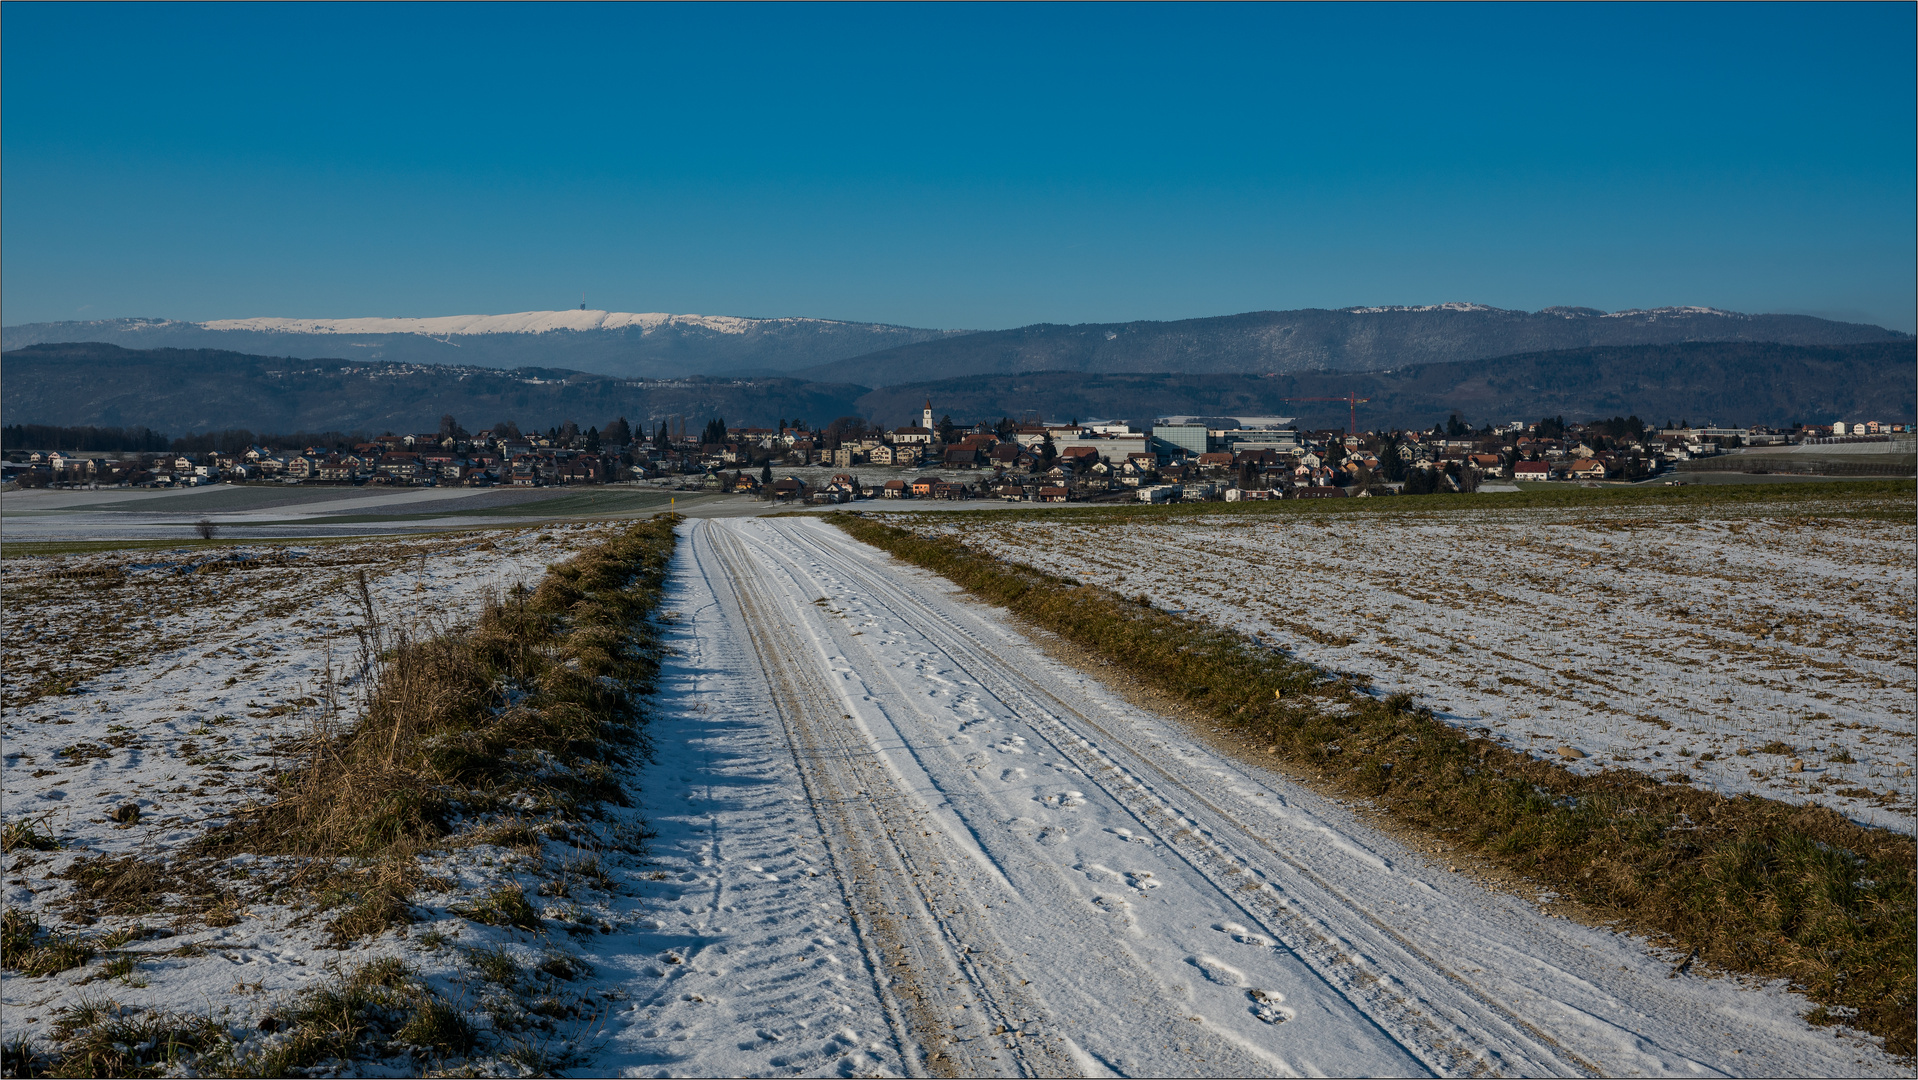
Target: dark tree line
x,y
49,437
141,440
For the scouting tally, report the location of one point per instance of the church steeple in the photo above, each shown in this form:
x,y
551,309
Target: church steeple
x,y
926,422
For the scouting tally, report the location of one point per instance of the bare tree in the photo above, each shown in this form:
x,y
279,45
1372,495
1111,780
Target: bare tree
x,y
205,528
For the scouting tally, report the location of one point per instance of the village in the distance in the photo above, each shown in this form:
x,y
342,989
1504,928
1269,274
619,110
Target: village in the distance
x,y
1175,459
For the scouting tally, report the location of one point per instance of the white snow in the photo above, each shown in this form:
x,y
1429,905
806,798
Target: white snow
x,y
1452,305
1053,880
187,686
1137,903
523,322
1677,646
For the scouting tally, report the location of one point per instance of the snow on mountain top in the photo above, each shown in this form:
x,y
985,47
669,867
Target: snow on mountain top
x,y
1455,305
1634,313
1687,309
524,322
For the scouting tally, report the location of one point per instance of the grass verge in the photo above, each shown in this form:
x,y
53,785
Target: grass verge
x,y
382,1013
530,713
1753,885
1874,499
504,732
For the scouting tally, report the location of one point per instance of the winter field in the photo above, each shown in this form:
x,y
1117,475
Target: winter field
x,y
1752,647
886,832
147,695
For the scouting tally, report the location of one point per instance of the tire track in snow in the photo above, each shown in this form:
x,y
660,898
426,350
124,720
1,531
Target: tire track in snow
x,y
1540,990
916,919
1110,978
1419,1025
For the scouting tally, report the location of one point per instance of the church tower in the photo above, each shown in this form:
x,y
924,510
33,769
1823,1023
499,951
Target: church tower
x,y
926,417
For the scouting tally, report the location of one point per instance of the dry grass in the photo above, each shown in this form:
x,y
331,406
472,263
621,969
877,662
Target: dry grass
x,y
1752,884
534,708
516,726
381,1012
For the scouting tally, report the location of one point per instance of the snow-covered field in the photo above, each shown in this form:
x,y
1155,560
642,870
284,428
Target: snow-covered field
x,y
892,837
1762,649
170,682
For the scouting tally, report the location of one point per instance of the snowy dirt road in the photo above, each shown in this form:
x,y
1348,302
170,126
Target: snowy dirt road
x,y
1037,877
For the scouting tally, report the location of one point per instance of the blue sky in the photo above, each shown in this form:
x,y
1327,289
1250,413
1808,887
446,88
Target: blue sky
x,y
957,166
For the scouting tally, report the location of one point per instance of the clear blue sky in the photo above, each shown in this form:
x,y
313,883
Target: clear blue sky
x,y
956,166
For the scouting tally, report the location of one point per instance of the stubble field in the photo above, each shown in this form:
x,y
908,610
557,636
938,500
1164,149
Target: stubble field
x,y
1763,647
152,699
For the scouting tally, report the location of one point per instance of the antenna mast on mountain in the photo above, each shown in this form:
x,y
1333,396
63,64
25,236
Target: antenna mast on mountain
x,y
582,301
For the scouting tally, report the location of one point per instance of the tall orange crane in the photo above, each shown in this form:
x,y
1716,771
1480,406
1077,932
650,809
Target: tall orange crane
x,y
1352,401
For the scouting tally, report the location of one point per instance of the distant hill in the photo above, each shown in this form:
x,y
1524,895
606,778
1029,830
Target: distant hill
x,y
622,344
182,390
1353,339
1733,382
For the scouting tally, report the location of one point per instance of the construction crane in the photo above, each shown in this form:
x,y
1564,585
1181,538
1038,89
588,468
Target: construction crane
x,y
1352,402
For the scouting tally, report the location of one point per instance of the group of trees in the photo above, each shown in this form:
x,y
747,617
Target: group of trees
x,y
147,441
50,437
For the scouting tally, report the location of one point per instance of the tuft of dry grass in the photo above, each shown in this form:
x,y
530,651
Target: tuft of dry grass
x,y
375,1013
1751,884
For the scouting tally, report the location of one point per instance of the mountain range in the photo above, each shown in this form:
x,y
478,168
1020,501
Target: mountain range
x,y
1353,339
620,344
662,346
179,391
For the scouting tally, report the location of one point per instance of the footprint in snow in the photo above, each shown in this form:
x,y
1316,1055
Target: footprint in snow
x,y
1128,837
1065,800
1241,934
1141,880
1013,745
1266,1006
1121,908
1217,970
1012,775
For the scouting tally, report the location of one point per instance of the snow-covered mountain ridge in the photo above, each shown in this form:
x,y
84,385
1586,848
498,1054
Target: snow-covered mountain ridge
x,y
522,322
1561,312
662,345
624,344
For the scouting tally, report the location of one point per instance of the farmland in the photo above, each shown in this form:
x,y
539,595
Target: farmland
x,y
1758,647
153,698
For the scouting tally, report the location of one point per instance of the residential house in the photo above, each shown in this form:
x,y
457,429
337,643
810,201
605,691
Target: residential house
x,y
961,456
